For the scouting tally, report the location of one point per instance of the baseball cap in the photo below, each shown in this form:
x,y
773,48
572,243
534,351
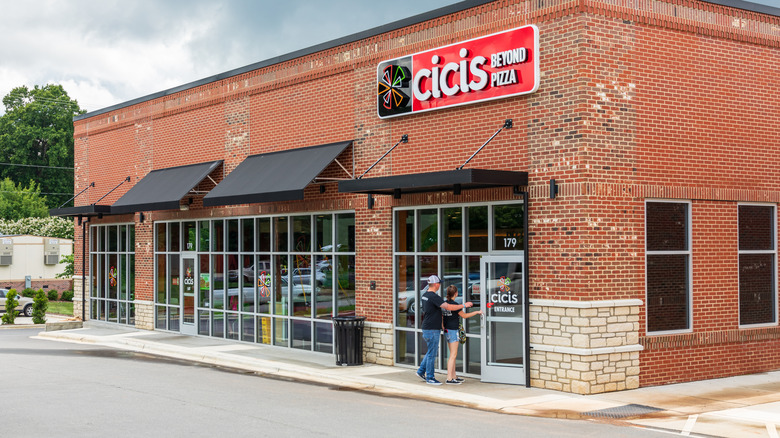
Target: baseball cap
x,y
433,279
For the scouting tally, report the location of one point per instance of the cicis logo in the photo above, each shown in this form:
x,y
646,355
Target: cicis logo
x,y
188,278
394,91
496,66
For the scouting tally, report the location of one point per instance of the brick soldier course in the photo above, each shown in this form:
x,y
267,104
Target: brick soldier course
x,y
656,100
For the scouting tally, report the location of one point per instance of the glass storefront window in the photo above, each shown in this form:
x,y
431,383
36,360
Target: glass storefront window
x,y
233,236
123,238
162,279
428,237
113,276
453,229
174,236
247,279
301,233
345,286
218,281
323,239
345,232
324,294
113,238
477,229
404,230
274,280
218,236
264,234
173,275
508,227
407,292
112,268
122,276
188,236
162,238
203,236
264,284
247,235
281,285
280,234
447,241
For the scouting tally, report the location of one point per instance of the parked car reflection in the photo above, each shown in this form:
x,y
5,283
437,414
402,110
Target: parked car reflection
x,y
407,300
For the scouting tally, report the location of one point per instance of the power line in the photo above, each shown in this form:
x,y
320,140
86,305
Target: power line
x,y
47,100
33,165
40,193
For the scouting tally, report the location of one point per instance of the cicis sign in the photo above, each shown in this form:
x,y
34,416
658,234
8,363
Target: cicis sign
x,y
492,67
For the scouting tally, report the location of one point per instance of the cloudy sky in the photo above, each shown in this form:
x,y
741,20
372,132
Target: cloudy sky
x,y
107,52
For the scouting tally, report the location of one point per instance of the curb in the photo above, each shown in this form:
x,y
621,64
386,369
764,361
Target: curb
x,y
287,371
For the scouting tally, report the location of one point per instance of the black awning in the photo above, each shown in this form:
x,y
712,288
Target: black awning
x,y
449,180
91,210
162,189
275,176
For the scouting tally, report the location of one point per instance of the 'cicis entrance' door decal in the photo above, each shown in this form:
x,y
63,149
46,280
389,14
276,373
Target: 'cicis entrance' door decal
x,y
492,67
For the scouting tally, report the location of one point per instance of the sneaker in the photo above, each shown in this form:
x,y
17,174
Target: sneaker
x,y
460,379
422,376
454,382
433,382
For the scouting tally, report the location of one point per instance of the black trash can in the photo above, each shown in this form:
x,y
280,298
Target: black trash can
x,y
348,334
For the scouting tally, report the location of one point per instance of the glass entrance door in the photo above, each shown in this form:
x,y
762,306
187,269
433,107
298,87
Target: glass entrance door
x,y
188,281
504,335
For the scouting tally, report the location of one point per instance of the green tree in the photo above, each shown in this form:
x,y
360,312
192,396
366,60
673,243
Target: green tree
x,y
17,202
10,307
40,305
36,139
68,262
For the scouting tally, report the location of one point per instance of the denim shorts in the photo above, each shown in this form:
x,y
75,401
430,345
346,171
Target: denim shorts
x,y
451,335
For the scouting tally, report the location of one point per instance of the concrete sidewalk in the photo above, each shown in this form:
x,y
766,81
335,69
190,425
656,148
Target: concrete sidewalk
x,y
732,407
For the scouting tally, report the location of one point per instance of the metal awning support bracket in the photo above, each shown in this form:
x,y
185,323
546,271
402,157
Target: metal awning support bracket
x,y
109,192
507,125
404,139
92,184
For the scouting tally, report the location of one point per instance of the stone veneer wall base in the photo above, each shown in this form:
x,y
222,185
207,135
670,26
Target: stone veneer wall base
x,y
378,343
585,347
77,297
144,314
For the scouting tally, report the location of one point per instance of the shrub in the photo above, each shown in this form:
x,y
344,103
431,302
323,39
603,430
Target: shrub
x,y
10,307
29,292
67,296
40,304
53,295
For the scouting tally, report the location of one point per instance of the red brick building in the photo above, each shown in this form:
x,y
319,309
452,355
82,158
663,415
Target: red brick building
x,y
618,228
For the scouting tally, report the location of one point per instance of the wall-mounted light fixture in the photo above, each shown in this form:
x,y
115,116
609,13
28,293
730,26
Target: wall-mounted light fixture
x,y
141,216
553,189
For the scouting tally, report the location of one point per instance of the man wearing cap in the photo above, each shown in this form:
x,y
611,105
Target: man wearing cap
x,y
432,303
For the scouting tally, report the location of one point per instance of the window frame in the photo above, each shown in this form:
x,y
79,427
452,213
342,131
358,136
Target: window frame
x,y
689,264
773,252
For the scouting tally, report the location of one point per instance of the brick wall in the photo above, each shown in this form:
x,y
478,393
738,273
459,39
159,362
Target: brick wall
x,y
659,100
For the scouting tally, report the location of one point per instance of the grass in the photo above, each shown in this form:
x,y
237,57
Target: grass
x,y
60,307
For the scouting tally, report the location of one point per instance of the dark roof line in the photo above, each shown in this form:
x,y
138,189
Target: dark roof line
x,y
748,6
410,21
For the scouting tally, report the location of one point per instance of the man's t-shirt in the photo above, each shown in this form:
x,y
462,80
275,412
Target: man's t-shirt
x,y
451,319
431,307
